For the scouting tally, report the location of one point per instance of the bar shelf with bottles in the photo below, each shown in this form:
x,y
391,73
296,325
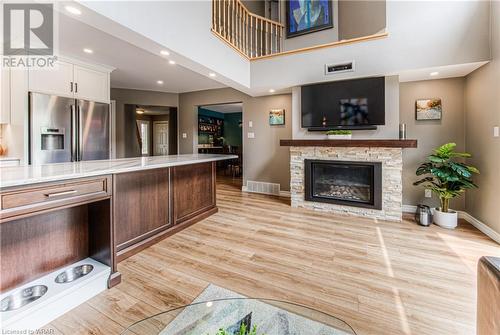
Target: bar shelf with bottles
x,y
210,125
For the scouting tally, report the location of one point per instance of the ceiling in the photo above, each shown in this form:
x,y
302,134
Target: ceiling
x,y
225,108
135,68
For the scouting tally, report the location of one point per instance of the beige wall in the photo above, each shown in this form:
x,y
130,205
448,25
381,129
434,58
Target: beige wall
x,y
361,18
430,134
482,99
256,6
263,158
137,97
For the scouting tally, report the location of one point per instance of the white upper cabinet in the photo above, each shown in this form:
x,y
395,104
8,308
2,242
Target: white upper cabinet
x,y
4,95
56,81
90,84
72,79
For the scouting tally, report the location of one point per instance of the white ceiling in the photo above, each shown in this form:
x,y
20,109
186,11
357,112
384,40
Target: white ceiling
x,y
136,68
450,71
225,108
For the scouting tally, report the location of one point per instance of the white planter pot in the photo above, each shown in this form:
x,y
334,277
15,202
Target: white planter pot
x,y
339,137
445,220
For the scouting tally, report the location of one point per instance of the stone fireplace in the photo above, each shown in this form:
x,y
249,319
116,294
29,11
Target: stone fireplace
x,y
352,177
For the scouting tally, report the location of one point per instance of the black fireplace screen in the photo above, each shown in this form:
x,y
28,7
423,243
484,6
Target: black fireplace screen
x,y
342,182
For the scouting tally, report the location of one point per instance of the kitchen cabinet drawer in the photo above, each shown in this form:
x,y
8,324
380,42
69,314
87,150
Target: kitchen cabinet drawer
x,y
67,192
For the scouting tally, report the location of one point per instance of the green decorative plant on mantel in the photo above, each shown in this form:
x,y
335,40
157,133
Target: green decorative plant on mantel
x,y
447,178
339,134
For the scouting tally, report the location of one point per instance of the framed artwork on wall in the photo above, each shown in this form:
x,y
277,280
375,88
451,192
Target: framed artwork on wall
x,y
428,109
277,117
307,16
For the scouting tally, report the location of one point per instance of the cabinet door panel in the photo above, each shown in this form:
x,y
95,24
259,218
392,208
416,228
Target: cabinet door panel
x,y
56,81
91,85
4,95
141,205
193,190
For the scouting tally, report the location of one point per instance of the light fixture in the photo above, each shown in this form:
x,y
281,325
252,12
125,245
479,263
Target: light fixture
x,y
88,51
171,62
139,111
159,82
435,73
165,53
73,10
272,90
211,74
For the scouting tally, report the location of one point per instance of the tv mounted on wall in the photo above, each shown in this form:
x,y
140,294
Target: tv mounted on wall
x,y
347,104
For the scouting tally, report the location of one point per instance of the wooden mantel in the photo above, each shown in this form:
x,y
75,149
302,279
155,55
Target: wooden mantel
x,y
379,143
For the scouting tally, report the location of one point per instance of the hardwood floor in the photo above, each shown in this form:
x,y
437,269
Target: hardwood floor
x,y
380,277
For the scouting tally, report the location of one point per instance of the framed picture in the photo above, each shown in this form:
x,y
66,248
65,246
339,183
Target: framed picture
x,y
428,109
307,16
277,117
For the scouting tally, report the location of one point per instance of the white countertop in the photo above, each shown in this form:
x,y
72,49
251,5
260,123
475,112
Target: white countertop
x,y
26,175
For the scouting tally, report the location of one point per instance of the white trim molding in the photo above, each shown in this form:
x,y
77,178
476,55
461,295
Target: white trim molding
x,y
481,226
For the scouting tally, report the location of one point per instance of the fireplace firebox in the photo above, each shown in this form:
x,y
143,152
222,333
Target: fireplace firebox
x,y
349,183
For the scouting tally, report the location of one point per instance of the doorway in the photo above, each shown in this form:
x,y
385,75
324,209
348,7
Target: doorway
x,y
160,138
220,131
149,130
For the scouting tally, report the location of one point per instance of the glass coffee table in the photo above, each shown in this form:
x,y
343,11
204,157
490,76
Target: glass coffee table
x,y
233,316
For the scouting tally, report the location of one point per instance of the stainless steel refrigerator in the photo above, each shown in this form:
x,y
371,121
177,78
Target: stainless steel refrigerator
x,y
66,130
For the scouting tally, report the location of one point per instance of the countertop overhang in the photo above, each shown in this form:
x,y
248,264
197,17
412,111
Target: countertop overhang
x,y
26,175
373,143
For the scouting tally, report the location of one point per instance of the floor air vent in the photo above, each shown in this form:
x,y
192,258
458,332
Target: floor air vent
x,y
338,68
262,187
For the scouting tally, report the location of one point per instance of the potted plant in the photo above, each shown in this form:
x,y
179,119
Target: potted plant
x,y
447,178
339,134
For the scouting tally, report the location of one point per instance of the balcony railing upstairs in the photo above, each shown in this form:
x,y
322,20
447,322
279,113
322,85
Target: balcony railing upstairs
x,y
250,34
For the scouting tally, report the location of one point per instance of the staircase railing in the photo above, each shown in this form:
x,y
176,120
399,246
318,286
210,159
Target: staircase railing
x,y
250,34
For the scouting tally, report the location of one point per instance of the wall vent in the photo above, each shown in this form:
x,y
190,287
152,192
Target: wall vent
x,y
339,67
262,187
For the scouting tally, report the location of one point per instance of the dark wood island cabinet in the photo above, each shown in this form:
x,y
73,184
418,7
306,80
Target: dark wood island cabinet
x,y
57,215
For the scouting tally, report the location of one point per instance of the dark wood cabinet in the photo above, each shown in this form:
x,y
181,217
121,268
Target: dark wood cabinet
x,y
48,226
193,191
141,205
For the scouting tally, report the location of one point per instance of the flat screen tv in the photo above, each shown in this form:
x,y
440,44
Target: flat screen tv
x,y
347,104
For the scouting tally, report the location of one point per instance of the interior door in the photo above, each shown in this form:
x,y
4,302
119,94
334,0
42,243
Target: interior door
x,y
57,81
94,140
160,135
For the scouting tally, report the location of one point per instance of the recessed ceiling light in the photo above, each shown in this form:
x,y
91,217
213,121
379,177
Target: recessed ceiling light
x,y
159,82
165,53
272,90
211,74
171,62
435,73
73,10
88,51
140,111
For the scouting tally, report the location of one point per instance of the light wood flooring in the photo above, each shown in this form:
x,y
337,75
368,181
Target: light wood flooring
x,y
380,277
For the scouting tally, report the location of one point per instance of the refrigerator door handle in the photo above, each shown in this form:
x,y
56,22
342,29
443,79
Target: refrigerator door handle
x,y
74,144
79,151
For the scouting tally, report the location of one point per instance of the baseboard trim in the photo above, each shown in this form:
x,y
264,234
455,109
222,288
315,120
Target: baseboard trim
x,y
481,226
283,194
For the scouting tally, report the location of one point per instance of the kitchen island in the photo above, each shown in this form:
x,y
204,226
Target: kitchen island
x,y
56,215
